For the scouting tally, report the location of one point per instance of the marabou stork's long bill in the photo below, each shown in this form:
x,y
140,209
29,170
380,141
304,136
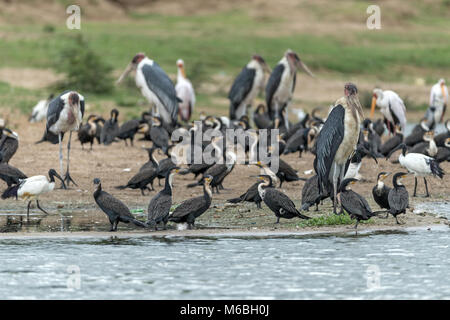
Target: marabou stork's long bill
x,y
65,113
246,86
281,85
31,188
185,91
418,164
155,86
392,108
337,141
438,101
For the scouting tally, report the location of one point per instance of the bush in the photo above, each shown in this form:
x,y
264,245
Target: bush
x,y
85,70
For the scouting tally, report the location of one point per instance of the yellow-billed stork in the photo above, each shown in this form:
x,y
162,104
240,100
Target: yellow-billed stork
x,y
391,106
438,101
185,92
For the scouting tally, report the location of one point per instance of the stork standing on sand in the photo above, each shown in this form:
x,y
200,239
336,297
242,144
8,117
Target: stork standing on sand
x,y
246,86
337,141
65,113
438,101
185,92
155,86
392,108
281,85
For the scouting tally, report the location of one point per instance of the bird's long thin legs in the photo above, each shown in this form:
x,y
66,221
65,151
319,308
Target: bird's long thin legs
x,y
28,211
415,186
335,180
426,186
60,155
39,207
67,177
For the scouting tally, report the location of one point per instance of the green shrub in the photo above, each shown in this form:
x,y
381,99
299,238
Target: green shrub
x,y
85,70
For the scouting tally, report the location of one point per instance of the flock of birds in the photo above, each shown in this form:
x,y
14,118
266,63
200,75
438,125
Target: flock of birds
x,y
339,143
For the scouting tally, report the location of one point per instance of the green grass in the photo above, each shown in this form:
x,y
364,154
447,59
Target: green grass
x,y
329,220
222,43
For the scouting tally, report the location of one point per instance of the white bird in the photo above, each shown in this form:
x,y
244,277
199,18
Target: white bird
x,y
40,110
155,86
281,85
65,113
438,101
247,86
392,108
31,188
418,164
185,92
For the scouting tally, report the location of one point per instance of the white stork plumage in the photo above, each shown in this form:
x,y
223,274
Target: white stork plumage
x,y
438,101
337,141
155,86
391,106
418,164
40,110
247,86
31,188
281,85
185,92
65,113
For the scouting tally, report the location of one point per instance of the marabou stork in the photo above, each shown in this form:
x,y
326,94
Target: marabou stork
x,y
155,86
185,92
418,164
281,85
337,141
31,188
65,113
391,106
246,86
438,101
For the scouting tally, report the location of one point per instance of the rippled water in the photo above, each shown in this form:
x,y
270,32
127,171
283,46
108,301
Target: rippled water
x,y
395,265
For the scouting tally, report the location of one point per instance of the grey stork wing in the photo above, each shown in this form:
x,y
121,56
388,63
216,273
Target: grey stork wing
x,y
161,85
328,141
272,85
54,109
240,88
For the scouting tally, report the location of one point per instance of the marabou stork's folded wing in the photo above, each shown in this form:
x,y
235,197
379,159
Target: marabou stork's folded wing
x,y
54,109
272,86
328,142
240,89
161,85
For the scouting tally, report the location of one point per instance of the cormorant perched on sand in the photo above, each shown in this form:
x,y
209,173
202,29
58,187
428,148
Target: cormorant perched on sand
x,y
440,138
115,209
251,195
261,118
191,209
417,133
300,141
165,165
278,202
197,169
141,180
428,147
9,143
152,162
311,195
110,128
159,135
398,196
159,206
88,131
10,174
444,152
380,192
127,130
356,206
393,142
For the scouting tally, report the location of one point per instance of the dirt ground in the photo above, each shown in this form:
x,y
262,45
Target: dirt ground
x,y
75,209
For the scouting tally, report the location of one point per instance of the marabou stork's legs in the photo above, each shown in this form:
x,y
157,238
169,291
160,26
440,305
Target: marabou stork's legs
x,y
415,186
335,182
60,157
67,177
426,186
39,207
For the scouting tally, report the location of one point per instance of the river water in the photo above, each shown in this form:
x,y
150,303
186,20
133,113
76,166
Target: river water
x,y
411,264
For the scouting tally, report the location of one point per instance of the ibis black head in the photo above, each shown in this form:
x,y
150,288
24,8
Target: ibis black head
x,y
52,174
350,89
400,146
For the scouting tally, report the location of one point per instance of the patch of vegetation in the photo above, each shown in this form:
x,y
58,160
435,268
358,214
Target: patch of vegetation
x,y
85,70
328,220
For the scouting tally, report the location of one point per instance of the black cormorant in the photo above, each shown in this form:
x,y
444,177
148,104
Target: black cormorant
x,y
127,130
9,143
398,196
10,174
110,128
